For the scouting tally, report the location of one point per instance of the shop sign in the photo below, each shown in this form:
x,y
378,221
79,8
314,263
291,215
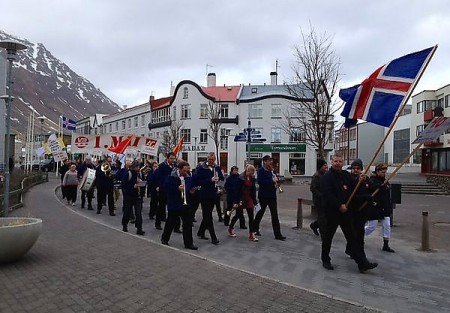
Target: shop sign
x,y
278,148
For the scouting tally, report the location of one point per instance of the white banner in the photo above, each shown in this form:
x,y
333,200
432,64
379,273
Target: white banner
x,y
434,129
92,144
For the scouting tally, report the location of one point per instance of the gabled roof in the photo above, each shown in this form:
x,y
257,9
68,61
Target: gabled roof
x,y
223,93
160,103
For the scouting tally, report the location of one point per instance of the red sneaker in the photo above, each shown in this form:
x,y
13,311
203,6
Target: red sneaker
x,y
252,237
231,232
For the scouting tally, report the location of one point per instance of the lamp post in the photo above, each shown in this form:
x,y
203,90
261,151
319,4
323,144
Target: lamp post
x,y
11,49
195,151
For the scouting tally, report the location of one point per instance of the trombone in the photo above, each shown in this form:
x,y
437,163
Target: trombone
x,y
183,192
277,183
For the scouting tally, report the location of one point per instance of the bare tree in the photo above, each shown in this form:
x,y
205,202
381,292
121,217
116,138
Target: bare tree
x,y
315,85
214,124
172,134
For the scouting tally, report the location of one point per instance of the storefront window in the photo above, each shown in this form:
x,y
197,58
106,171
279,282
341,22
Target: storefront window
x,y
297,163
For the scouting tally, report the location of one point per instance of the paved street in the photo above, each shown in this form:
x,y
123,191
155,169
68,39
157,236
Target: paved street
x,y
83,263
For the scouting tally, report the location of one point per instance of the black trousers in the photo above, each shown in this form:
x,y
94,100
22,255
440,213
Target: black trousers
x,y
71,193
89,195
153,203
195,203
131,202
173,220
240,215
161,212
272,203
218,208
102,195
207,219
226,218
358,220
333,220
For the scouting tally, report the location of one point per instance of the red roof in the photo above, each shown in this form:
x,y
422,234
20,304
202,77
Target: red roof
x,y
160,103
222,94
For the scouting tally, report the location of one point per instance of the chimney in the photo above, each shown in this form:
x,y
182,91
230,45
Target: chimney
x,y
124,106
273,78
211,81
152,98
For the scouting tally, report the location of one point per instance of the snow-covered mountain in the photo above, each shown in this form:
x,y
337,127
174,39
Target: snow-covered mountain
x,y
46,85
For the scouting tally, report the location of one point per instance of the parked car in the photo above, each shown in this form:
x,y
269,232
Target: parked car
x,y
46,165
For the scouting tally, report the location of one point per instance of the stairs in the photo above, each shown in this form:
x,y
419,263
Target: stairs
x,y
422,188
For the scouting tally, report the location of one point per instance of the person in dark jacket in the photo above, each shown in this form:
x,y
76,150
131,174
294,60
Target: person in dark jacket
x,y
164,169
383,206
336,186
178,186
322,168
62,171
207,177
233,195
131,197
268,183
151,188
104,182
87,164
246,200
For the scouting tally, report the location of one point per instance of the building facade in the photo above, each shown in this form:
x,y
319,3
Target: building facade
x,y
434,157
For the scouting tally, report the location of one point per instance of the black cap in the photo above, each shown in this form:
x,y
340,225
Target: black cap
x,y
320,163
267,157
357,163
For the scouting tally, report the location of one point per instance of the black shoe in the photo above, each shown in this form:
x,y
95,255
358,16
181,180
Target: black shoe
x,y
314,229
112,214
388,249
82,206
140,232
191,247
215,242
194,220
280,237
226,224
125,229
202,237
328,265
164,242
347,252
99,212
177,231
243,227
220,219
158,227
257,233
90,208
367,266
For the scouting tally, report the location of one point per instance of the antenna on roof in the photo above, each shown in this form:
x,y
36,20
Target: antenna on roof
x,y
208,66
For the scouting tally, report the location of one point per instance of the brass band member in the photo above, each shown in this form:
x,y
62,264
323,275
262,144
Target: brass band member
x,y
86,194
177,187
267,196
104,181
207,177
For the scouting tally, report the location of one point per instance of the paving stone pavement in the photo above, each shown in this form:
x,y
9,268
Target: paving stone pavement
x,y
84,263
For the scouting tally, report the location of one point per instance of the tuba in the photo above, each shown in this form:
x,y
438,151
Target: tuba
x,y
106,169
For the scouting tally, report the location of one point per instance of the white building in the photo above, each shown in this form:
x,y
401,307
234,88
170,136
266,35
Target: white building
x,y
260,105
91,125
434,157
132,120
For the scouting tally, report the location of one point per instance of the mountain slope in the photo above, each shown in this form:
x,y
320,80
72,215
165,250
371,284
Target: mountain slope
x,y
46,85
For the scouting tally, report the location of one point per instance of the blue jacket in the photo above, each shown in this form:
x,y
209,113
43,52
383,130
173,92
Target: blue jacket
x,y
202,178
383,204
151,181
174,196
233,186
161,174
128,180
336,188
267,188
83,168
102,181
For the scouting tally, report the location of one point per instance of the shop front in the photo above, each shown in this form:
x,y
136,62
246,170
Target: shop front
x,y
290,157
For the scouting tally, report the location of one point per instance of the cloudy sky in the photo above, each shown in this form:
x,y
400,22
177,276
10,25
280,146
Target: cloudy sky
x,y
132,49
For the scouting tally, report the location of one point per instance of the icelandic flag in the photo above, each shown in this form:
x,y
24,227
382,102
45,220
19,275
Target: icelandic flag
x,y
68,123
378,98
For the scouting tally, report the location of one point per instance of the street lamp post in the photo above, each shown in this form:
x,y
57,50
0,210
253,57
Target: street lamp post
x,y
195,151
42,138
11,49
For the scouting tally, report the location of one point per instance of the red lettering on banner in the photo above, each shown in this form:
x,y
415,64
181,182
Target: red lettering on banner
x,y
150,142
136,141
97,142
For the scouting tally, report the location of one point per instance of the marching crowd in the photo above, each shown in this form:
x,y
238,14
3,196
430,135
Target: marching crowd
x,y
351,201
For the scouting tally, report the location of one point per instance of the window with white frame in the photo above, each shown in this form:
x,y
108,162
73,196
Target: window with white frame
x,y
129,123
276,110
419,129
297,111
123,125
174,118
276,135
255,110
110,128
185,93
296,135
446,101
203,110
117,126
136,122
185,111
186,133
203,135
142,120
224,110
224,135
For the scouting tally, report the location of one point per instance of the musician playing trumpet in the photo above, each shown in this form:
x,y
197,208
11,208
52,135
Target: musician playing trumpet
x,y
104,181
178,187
267,196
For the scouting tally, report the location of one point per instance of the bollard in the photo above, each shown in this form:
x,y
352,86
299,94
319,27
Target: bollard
x,y
425,232
299,214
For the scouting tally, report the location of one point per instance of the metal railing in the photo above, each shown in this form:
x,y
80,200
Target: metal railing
x,y
16,196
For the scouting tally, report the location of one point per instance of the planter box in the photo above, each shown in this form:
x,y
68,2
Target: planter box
x,y
17,236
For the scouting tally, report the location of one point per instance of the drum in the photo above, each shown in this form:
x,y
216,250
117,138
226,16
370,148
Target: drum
x,y
87,182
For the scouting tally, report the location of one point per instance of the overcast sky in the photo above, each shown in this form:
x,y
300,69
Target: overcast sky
x,y
131,49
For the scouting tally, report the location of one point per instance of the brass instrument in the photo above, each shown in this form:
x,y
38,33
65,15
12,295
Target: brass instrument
x,y
144,170
277,183
106,169
183,193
